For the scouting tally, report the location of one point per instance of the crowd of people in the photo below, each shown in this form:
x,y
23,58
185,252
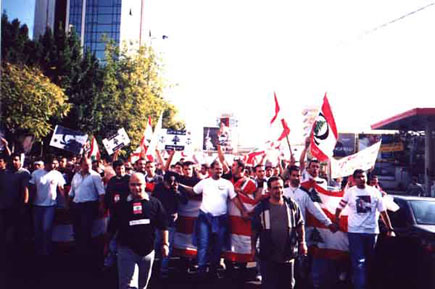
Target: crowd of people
x,y
142,200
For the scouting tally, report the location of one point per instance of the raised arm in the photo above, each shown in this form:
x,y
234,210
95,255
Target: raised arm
x,y
222,160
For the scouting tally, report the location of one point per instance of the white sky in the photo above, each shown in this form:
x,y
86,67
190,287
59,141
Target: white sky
x,y
231,55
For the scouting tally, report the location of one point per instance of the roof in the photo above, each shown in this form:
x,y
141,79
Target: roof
x,y
414,119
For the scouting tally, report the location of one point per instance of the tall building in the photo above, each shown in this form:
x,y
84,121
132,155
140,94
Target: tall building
x,y
97,21
49,13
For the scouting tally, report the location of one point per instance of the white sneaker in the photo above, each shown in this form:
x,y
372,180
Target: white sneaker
x,y
258,277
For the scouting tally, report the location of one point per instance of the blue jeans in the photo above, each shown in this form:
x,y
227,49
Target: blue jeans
x,y
324,273
362,249
158,245
83,216
43,217
211,233
277,275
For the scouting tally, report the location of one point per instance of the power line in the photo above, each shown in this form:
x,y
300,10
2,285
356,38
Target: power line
x,y
398,19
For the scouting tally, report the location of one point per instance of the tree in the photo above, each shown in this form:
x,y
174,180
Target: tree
x,y
132,90
16,47
29,101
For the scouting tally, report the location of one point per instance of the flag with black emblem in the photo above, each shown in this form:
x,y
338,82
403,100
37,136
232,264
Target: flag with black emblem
x,y
324,133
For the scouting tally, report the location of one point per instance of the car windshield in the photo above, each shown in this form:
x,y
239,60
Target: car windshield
x,y
424,211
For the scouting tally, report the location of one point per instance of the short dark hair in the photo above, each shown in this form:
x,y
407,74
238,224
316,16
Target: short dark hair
x,y
170,174
293,168
187,164
214,163
49,159
240,163
316,161
149,162
14,155
271,180
4,157
179,164
117,163
258,166
356,172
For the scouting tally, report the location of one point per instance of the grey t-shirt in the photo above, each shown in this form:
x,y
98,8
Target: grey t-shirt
x,y
12,185
279,231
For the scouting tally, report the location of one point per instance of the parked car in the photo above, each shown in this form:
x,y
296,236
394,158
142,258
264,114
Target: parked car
x,y
408,260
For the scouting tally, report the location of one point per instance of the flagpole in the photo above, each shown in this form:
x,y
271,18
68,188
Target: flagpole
x,y
289,146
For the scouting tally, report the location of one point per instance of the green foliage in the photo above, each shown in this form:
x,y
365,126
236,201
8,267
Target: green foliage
x,y
16,47
78,91
29,100
132,91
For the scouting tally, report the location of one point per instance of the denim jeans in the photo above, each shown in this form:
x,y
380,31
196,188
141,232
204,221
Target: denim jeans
x,y
83,216
277,275
134,271
158,247
43,218
324,273
211,233
362,249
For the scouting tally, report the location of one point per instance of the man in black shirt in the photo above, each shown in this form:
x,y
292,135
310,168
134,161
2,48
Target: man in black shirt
x,y
135,222
170,197
117,188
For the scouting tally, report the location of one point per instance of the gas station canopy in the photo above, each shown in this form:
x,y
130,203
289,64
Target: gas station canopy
x,y
416,119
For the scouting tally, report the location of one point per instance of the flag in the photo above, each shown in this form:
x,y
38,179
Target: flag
x,y
278,124
240,229
251,157
146,138
322,243
151,151
324,133
94,151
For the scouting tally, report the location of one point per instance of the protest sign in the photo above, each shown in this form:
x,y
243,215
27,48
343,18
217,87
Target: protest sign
x,y
363,160
177,140
116,141
68,139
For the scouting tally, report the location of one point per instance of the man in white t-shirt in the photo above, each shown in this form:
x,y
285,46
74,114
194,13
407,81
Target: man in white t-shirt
x,y
46,184
365,203
312,173
212,222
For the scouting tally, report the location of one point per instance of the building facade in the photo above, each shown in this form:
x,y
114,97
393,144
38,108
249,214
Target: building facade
x,y
98,21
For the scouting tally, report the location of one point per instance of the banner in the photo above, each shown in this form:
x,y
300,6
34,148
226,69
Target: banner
x,y
363,160
177,140
116,141
68,139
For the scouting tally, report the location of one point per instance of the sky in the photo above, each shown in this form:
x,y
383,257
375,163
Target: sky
x,y
230,56
24,10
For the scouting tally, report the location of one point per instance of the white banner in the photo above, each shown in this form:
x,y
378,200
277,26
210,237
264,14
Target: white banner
x,y
68,139
363,160
117,141
177,140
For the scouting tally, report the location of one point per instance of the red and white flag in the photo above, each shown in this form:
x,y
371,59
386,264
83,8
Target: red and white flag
x,y
322,243
94,151
278,124
324,133
146,138
141,150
